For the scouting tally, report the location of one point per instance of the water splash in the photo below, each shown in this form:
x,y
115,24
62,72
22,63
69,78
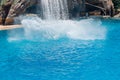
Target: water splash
x,y
87,29
54,9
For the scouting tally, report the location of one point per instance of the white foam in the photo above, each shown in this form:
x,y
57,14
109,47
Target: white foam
x,y
87,29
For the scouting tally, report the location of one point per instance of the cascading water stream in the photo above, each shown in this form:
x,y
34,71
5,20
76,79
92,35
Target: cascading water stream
x,y
54,9
55,25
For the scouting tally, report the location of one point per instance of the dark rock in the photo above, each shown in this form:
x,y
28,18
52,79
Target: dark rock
x,y
20,6
5,10
76,7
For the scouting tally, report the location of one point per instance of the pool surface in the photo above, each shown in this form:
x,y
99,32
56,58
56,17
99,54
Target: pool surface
x,y
74,57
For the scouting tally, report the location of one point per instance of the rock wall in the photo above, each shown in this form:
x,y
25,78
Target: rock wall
x,y
14,8
80,7
19,7
76,8
107,5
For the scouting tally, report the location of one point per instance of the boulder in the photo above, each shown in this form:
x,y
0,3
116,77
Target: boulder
x,y
20,6
13,8
9,21
0,21
109,6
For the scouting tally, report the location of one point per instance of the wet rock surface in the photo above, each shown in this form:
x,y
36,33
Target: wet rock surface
x,y
13,8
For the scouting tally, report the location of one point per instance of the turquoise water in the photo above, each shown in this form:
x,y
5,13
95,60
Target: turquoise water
x,y
86,56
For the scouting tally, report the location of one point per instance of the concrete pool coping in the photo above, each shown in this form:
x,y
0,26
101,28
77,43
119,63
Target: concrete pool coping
x,y
8,27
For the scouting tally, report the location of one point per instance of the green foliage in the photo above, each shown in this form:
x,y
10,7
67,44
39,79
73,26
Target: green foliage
x,y
116,3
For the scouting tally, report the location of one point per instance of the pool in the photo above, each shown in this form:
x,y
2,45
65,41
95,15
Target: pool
x,y
62,57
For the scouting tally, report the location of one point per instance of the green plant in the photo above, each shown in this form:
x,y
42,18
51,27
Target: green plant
x,y
116,3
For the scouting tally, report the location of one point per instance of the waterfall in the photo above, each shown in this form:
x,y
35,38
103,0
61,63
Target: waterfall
x,y
54,9
56,25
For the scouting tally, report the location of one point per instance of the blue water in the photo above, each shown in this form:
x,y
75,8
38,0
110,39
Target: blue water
x,y
61,59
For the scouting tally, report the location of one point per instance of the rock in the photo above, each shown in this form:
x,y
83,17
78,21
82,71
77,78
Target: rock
x,y
106,4
9,21
117,15
20,6
0,21
5,10
76,7
95,13
13,8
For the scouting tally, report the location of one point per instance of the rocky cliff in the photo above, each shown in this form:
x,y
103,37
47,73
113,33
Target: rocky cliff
x,y
12,8
77,7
